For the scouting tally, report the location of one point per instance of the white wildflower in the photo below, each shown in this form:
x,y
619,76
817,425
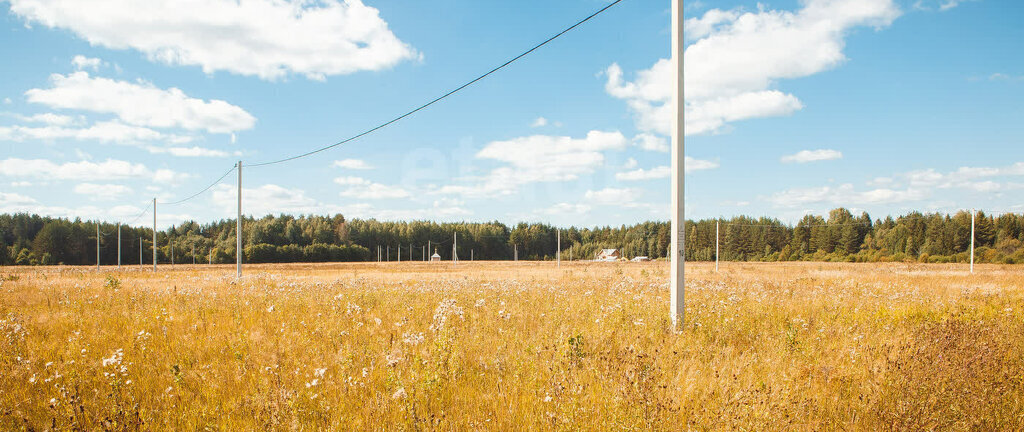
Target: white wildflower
x,y
412,338
399,394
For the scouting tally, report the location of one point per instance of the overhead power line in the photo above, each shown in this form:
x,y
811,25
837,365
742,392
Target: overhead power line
x,y
439,98
233,167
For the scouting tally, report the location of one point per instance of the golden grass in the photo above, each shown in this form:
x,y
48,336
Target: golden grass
x,y
513,346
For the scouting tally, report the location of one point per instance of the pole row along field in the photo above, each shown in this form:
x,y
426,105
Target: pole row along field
x,y
36,240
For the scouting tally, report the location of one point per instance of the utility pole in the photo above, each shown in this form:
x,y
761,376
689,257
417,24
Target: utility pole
x,y
558,243
97,245
389,253
471,251
973,212
154,234
423,253
515,252
410,252
238,227
677,305
399,252
716,246
428,245
455,249
119,245
140,252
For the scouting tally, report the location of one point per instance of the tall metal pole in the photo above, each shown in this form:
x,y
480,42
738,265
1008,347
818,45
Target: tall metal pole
x,y
558,245
455,249
154,234
97,245
140,252
678,258
399,252
515,252
973,212
119,246
238,227
716,246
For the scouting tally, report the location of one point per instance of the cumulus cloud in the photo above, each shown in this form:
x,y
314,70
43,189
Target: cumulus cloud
x,y
845,195
651,142
737,59
268,199
354,164
82,62
612,196
911,186
539,122
141,103
269,39
103,192
642,174
110,169
805,156
193,151
361,188
104,131
539,158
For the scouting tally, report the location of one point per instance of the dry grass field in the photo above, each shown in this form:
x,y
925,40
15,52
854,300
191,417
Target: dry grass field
x,y
512,346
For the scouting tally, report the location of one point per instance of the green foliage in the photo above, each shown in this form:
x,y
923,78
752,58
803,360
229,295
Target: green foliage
x,y
841,237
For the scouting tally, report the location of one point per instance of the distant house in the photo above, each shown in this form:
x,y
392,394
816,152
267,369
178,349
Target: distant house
x,y
608,255
435,256
640,259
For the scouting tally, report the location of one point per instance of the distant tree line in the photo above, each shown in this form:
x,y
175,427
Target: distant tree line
x,y
35,240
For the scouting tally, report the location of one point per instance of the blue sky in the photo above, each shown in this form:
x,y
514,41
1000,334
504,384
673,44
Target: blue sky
x,y
793,107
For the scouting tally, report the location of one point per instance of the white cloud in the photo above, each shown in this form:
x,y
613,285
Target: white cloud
x,y
440,211
105,131
692,164
651,142
612,196
21,184
141,104
49,118
740,56
539,158
8,101
265,38
907,187
365,189
630,163
354,164
566,208
82,62
193,151
375,191
642,174
268,199
665,171
103,192
540,122
84,170
352,181
845,195
805,156
940,5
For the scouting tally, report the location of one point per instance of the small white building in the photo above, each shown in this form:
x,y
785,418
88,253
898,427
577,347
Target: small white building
x,y
608,255
640,259
435,256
